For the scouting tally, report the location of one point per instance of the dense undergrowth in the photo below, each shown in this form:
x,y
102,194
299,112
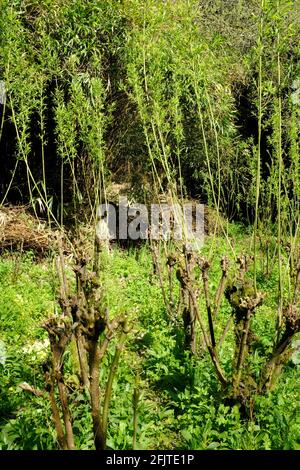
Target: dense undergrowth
x,y
180,403
173,101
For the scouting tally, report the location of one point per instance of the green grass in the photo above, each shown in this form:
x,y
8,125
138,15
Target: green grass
x,y
180,407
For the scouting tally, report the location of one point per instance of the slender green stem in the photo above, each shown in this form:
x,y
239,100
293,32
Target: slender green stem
x,y
112,372
260,115
279,156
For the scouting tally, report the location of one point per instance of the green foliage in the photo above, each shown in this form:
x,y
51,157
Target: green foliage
x,y
168,88
181,98
180,404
